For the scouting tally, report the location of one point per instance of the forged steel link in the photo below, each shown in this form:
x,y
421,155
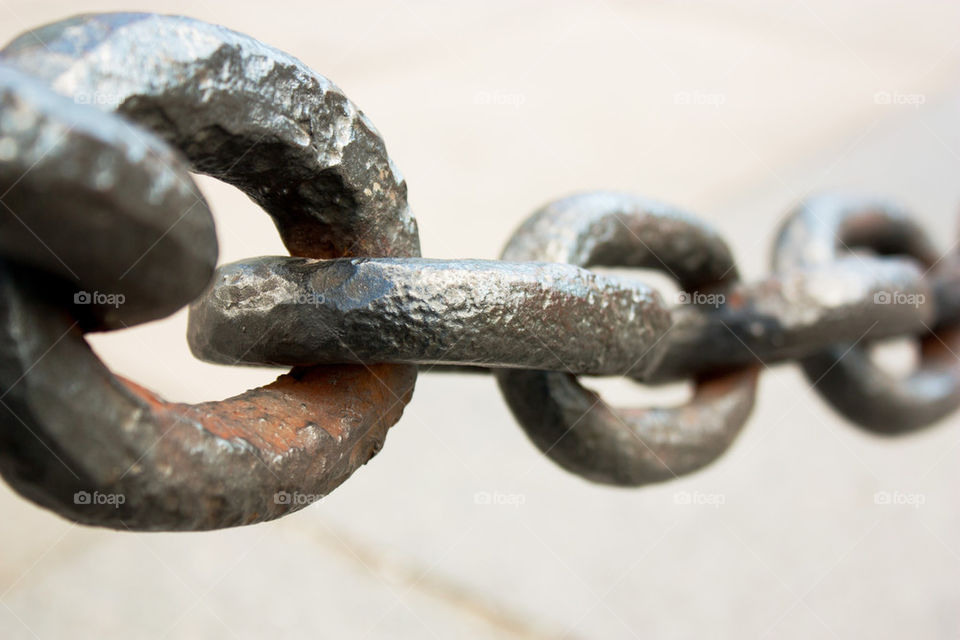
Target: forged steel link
x,y
573,425
474,312
302,151
102,119
857,388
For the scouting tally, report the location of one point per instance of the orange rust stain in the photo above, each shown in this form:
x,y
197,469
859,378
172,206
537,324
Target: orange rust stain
x,y
308,240
940,348
720,384
736,299
343,400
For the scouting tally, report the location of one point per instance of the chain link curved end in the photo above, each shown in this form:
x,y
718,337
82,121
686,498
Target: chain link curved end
x,y
101,450
573,425
819,231
132,204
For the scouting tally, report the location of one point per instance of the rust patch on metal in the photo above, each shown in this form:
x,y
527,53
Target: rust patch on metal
x,y
280,417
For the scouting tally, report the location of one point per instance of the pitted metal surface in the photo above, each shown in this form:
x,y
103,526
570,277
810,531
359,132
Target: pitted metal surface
x,y
268,451
286,311
131,200
574,426
480,312
796,312
817,232
144,99
319,167
71,428
611,229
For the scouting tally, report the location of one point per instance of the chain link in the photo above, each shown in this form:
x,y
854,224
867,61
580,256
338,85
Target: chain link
x,y
246,114
106,119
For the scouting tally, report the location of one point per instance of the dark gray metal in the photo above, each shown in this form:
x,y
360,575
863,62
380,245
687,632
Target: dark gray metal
x,y
103,450
549,316
68,427
99,449
795,313
574,426
816,233
76,183
946,290
243,112
500,314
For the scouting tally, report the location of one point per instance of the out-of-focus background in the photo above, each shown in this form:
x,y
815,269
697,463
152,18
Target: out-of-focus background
x,y
733,109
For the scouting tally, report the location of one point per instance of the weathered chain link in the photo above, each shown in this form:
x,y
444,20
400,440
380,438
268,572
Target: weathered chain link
x,y
168,95
244,113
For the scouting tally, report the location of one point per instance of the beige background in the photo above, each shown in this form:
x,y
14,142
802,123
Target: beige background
x,y
490,109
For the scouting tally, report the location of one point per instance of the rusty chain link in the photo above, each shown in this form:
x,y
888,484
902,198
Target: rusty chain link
x,y
102,119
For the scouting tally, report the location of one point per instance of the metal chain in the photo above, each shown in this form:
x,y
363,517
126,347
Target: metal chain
x,y
355,310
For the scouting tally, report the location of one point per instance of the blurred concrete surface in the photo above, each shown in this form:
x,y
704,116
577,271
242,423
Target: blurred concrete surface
x,y
734,109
